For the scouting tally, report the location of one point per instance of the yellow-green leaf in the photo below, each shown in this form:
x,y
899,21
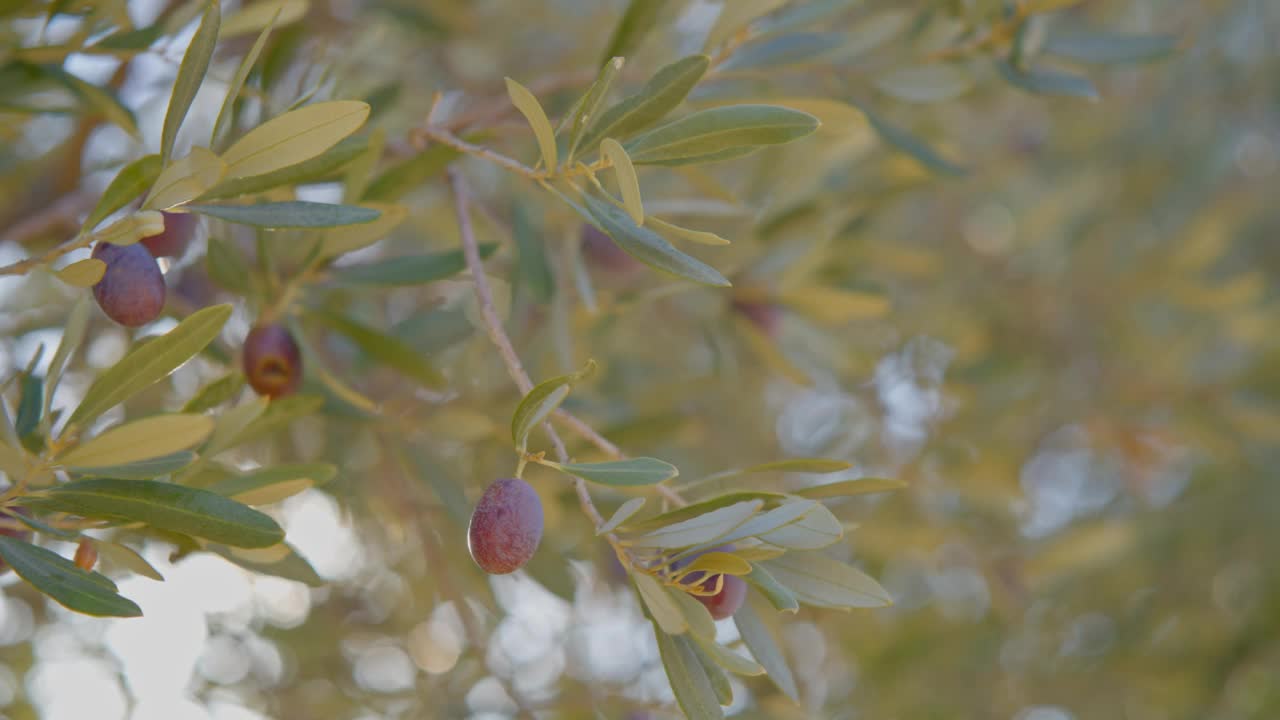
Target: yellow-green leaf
x,y
764,648
191,72
621,515
246,63
529,106
542,400
628,183
129,230
835,306
925,83
342,240
845,488
720,133
701,529
132,180
672,230
689,680
660,603
83,273
143,439
728,659
185,179
696,615
664,91
715,563
587,107
127,558
294,137
258,16
823,582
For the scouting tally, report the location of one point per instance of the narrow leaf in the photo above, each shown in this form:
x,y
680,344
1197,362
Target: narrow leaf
x,y
715,674
846,488
720,132
650,248
289,214
215,393
127,558
399,179
541,400
384,348
261,15
736,14
342,240
660,603
246,65
590,103
636,22
621,515
800,465
291,567
165,506
662,94
1048,82
672,230
294,137
1097,46
190,76
60,579
816,529
143,439
835,306
150,362
925,84
141,469
132,180
274,483
728,659
628,182
913,146
185,180
410,270
704,528
623,473
529,106
318,168
696,615
778,595
689,681
822,582
760,641
82,273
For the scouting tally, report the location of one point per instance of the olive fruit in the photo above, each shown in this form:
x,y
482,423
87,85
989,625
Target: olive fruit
x,y
599,250
272,361
505,527
131,291
733,590
179,229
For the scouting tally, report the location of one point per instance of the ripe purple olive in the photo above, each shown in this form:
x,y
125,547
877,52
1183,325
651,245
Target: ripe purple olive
x,y
506,526
131,291
599,250
179,229
733,590
272,361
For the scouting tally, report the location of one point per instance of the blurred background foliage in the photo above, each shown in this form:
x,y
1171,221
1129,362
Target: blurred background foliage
x,y
1053,316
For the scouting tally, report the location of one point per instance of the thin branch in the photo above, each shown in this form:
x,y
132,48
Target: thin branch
x,y
493,325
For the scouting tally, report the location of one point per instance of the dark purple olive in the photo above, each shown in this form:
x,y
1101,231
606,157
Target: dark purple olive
x,y
179,229
506,526
272,361
732,592
131,291
600,251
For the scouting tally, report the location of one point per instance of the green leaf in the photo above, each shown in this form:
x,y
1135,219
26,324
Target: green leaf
x,y
913,146
132,180
650,248
150,362
696,615
623,473
275,483
727,659
137,39
141,469
701,529
925,83
529,106
542,400
689,681
801,465
736,14
720,132
291,567
691,511
845,488
1096,46
784,50
639,19
384,348
628,183
242,73
778,595
340,240
101,100
533,273
760,641
822,582
399,179
772,520
215,393
407,270
589,104
127,558
1048,82
715,674
143,439
190,76
73,331
294,137
660,603
30,406
185,179
664,91
320,167
225,265
289,214
60,579
165,506
260,15
621,515
816,529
